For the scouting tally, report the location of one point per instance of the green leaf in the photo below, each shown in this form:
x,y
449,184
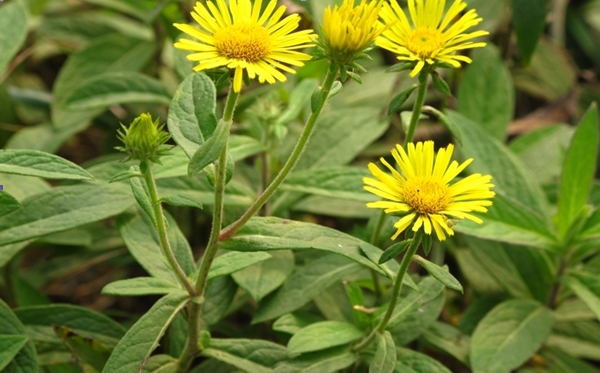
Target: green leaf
x,y
36,163
192,116
24,359
13,28
391,267
509,335
143,337
140,286
291,323
8,203
399,100
217,299
322,335
561,362
529,19
270,233
210,150
139,188
251,355
581,339
357,299
63,208
161,364
429,289
578,171
508,174
134,8
85,350
587,287
385,354
82,321
232,262
262,278
115,88
299,97
328,361
439,273
486,94
449,339
181,200
141,239
304,285
393,251
10,345
111,53
409,361
124,175
335,182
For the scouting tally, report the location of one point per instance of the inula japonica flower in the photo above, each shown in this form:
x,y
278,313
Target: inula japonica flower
x,y
239,37
422,191
430,36
144,140
349,29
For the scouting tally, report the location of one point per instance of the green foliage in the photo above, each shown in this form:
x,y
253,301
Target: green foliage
x,y
297,275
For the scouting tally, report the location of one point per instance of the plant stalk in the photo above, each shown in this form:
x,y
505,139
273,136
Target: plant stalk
x,y
412,249
420,100
292,160
161,228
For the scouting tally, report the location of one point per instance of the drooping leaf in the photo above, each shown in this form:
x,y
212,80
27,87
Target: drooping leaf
x,y
509,335
143,337
439,273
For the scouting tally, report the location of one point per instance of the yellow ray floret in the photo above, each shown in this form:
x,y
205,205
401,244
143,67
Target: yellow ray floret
x,y
239,37
349,28
422,189
430,36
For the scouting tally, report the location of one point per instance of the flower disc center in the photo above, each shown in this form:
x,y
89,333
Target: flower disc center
x,y
243,41
425,42
426,195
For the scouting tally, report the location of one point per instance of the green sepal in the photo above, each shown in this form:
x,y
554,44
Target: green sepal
x,y
440,84
400,99
402,66
354,76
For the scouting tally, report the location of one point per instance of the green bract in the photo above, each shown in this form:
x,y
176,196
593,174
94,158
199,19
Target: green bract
x,y
144,140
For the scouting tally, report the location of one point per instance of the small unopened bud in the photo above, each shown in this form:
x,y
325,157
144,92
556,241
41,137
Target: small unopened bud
x,y
144,140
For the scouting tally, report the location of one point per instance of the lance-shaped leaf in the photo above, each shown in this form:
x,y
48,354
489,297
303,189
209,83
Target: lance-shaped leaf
x,y
41,164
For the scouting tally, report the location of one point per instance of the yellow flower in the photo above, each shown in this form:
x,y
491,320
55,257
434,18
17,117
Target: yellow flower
x,y
423,191
429,37
240,37
348,29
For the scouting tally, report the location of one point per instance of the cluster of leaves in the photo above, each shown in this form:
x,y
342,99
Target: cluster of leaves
x,y
289,295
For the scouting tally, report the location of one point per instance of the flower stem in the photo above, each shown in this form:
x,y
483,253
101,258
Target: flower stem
x,y
195,307
412,249
292,160
420,100
161,227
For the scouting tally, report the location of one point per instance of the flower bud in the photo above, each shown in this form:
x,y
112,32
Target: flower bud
x,y
144,140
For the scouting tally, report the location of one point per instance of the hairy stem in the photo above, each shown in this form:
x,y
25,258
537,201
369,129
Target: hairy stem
x,y
161,228
292,160
420,100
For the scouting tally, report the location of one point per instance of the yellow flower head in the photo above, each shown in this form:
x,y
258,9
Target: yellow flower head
x,y
431,36
348,29
240,37
422,189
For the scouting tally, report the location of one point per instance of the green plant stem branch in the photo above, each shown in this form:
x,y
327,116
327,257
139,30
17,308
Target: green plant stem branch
x,y
195,306
161,228
419,101
292,160
412,249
